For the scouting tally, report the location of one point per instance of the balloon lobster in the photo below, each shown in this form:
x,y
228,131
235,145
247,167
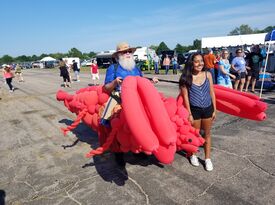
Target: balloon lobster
x,y
148,122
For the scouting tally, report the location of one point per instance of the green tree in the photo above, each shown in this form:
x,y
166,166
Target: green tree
x,y
22,58
242,29
268,29
57,55
6,59
34,58
92,54
179,48
154,47
197,44
162,47
74,52
43,55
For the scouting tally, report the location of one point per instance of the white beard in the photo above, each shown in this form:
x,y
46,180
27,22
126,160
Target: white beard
x,y
127,63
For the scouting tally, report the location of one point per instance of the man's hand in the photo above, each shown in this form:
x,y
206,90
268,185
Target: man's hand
x,y
118,80
155,80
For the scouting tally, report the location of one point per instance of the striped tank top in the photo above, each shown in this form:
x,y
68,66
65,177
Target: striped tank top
x,y
199,95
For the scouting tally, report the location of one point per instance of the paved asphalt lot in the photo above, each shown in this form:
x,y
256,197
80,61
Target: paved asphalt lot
x,y
38,165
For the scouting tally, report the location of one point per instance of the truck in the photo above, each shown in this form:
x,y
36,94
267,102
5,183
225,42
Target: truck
x,y
144,58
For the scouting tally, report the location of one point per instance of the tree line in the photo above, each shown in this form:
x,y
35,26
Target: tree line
x,y
74,52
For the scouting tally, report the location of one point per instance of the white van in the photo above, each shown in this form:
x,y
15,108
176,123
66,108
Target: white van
x,y
70,61
144,53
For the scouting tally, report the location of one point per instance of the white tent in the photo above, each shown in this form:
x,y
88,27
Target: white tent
x,y
48,58
238,40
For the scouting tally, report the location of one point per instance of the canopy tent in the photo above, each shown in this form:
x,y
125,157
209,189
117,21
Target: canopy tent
x,y
48,58
269,37
238,40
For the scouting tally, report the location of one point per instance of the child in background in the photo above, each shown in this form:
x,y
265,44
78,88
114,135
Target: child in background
x,y
95,73
8,75
197,90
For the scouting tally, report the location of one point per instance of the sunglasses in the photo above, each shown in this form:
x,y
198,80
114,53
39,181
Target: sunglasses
x,y
125,52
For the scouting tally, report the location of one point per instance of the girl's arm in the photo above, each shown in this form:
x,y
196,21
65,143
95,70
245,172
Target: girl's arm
x,y
221,67
185,95
212,94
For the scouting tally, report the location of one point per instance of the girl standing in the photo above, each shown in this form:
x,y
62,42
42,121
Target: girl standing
x,y
223,77
196,87
64,73
95,73
8,75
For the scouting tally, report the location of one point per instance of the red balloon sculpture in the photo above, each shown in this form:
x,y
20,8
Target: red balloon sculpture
x,y
148,122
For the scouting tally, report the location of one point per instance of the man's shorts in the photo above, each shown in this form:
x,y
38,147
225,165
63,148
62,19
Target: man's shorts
x,y
202,113
240,75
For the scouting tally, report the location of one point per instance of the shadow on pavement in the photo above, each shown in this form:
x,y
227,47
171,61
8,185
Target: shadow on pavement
x,y
270,101
2,197
105,163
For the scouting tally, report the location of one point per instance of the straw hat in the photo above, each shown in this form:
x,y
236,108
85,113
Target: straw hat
x,y
123,47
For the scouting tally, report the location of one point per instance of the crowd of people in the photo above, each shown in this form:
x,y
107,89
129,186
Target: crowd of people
x,y
65,72
242,69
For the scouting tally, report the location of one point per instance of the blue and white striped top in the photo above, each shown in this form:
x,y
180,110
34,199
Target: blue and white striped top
x,y
199,95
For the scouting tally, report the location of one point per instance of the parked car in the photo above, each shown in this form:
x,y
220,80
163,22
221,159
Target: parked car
x,y
37,64
86,63
26,65
49,64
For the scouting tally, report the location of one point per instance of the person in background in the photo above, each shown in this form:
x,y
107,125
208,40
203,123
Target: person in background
x,y
8,75
223,76
166,63
18,73
239,67
156,63
76,71
255,63
216,65
196,87
69,67
64,73
95,73
210,61
175,64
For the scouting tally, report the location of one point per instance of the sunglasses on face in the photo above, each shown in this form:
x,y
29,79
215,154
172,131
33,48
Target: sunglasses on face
x,y
125,52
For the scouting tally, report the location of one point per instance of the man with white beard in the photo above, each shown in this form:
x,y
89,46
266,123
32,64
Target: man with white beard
x,y
115,74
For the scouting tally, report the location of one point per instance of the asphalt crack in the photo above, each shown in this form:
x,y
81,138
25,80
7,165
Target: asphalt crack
x,y
139,187
212,184
246,157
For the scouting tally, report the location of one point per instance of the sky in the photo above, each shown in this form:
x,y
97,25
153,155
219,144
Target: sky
x,y
31,27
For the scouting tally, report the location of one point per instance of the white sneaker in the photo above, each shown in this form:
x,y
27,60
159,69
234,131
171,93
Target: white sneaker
x,y
208,165
194,160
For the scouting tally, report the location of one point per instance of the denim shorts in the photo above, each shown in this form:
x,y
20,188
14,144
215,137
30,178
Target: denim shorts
x,y
201,113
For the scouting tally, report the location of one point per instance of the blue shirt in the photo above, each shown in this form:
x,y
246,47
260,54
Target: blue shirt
x,y
224,79
239,64
120,72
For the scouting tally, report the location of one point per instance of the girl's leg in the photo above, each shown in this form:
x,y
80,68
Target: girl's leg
x,y
253,84
166,69
236,84
21,77
9,80
242,84
247,83
206,125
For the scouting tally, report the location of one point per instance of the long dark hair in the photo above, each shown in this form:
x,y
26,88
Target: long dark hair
x,y
186,78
